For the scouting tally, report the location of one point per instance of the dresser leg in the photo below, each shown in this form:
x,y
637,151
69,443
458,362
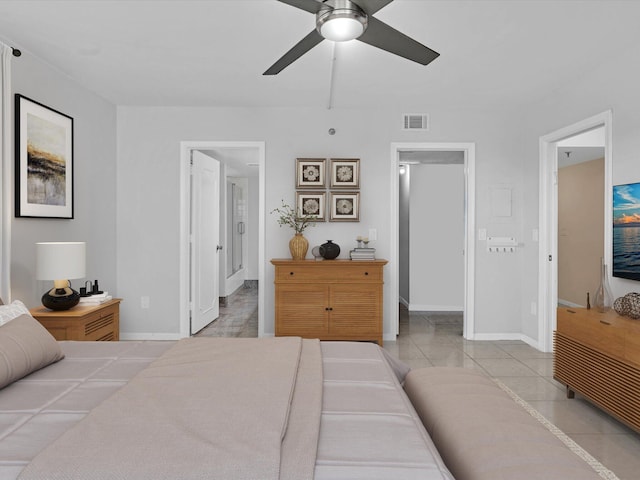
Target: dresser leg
x,y
570,393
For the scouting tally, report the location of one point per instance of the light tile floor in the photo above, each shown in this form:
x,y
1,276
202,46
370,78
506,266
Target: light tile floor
x,y
239,318
428,339
435,339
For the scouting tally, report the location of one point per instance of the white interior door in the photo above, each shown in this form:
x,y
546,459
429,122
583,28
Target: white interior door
x,y
205,238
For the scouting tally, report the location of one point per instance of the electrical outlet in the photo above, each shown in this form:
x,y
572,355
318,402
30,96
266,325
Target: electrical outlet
x,y
373,234
144,302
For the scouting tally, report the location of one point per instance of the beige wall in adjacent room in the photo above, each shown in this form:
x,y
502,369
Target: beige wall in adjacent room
x,y
580,234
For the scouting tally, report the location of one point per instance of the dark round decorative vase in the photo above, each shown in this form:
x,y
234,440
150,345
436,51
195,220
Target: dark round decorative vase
x,y
329,250
60,298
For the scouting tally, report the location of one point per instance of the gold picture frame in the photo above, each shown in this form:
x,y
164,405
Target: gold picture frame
x,y
312,203
310,172
345,173
344,207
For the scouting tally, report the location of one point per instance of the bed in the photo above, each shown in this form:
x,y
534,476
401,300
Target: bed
x,y
274,408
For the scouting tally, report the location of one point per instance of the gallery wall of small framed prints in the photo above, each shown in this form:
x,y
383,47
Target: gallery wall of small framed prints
x,y
341,175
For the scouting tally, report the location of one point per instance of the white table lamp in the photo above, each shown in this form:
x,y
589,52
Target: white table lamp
x,y
60,261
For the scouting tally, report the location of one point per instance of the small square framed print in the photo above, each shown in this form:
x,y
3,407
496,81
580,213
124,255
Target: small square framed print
x,y
310,172
312,203
345,173
345,207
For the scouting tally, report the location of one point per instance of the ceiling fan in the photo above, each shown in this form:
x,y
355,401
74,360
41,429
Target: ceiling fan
x,y
342,20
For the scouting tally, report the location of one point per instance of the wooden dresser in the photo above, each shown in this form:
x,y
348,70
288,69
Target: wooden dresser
x,y
330,299
95,322
598,355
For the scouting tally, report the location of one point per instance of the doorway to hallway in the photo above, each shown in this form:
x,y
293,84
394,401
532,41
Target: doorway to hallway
x,y
401,153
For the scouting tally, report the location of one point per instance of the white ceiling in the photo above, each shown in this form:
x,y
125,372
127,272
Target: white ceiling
x,y
494,54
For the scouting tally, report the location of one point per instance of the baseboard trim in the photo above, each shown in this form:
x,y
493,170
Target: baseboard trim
x,y
567,303
506,336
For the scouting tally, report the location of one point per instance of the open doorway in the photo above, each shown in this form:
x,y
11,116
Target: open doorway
x,y
242,165
548,208
418,154
580,217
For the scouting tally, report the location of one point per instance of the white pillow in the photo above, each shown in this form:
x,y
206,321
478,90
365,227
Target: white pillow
x,y
11,311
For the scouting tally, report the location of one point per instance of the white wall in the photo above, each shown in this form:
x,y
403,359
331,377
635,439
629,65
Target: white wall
x,y
437,238
608,84
404,241
148,189
94,182
252,229
146,176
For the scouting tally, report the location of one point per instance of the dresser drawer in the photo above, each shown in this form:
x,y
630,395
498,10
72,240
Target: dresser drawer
x,y
606,332
345,273
632,344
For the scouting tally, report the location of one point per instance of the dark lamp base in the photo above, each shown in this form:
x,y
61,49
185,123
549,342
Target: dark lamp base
x,y
60,298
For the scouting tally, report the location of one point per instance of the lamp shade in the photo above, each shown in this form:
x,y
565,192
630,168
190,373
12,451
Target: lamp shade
x,y
60,260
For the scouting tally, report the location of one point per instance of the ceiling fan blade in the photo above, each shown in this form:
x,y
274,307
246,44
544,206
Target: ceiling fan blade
x,y
311,6
381,35
372,6
299,49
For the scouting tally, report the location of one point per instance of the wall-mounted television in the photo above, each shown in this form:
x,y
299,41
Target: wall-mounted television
x,y
626,231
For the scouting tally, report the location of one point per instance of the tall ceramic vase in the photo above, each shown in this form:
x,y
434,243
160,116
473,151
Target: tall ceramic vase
x,y
298,247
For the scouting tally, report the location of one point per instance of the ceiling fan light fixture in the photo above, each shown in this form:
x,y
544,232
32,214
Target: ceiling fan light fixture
x,y
345,22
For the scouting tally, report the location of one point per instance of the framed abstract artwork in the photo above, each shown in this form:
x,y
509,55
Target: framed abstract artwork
x,y
312,203
310,172
345,207
345,173
44,161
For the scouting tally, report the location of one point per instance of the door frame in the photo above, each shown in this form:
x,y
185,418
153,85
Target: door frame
x,y
548,217
469,150
185,214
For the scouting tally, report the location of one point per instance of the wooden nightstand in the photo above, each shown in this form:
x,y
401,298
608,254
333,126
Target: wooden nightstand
x,y
95,322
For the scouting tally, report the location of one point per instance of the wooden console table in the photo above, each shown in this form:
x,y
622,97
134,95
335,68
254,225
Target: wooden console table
x,y
330,299
82,322
598,355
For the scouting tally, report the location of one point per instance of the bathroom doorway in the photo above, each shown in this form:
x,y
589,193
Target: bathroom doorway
x,y
242,163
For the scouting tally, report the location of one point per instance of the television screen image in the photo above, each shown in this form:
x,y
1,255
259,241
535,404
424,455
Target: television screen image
x,y
626,231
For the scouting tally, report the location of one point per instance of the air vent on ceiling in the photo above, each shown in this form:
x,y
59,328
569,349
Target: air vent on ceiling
x,y
415,121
